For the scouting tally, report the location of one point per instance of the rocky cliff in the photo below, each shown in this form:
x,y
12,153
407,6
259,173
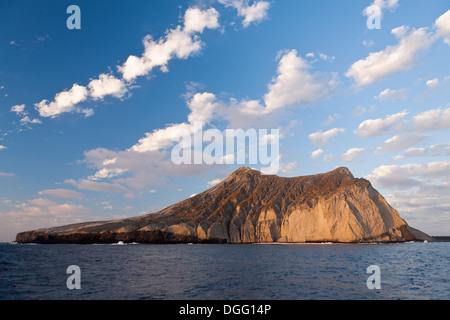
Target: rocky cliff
x,y
249,207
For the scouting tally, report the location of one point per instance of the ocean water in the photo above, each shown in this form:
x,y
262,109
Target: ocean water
x,y
224,272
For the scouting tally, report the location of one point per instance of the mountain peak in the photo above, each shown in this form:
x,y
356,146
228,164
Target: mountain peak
x,y
344,171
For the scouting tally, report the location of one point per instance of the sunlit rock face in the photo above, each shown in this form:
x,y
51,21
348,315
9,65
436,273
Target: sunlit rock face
x,y
249,207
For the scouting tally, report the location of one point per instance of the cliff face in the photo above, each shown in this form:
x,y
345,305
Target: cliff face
x,y
249,207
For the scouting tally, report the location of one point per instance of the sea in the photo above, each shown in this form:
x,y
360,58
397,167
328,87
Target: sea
x,y
407,271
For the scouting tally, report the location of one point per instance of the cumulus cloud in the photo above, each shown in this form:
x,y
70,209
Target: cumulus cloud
x,y
389,94
432,120
19,110
107,173
433,83
147,162
400,142
254,13
202,106
63,102
289,167
107,85
410,175
212,183
443,26
176,44
41,213
437,150
426,207
316,154
378,127
296,85
352,154
26,120
390,5
393,59
180,42
321,138
412,43
196,20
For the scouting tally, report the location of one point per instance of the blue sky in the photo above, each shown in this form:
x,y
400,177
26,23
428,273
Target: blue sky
x,y
85,114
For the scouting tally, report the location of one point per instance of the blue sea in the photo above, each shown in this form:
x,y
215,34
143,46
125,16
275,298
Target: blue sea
x,y
408,271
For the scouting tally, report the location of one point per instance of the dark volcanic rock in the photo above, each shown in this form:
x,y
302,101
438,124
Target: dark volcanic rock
x,y
249,207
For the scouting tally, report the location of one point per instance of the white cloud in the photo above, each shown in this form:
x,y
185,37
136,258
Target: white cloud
x,y
19,110
106,173
426,207
2,147
410,175
202,106
289,167
109,161
389,94
148,161
377,127
254,13
296,85
352,154
393,59
403,56
212,183
432,120
433,83
325,57
26,120
161,138
438,150
196,20
176,44
41,213
400,142
443,26
107,85
316,154
63,102
180,42
321,138
391,5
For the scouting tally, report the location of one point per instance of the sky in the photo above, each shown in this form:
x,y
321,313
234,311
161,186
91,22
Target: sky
x,y
87,115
